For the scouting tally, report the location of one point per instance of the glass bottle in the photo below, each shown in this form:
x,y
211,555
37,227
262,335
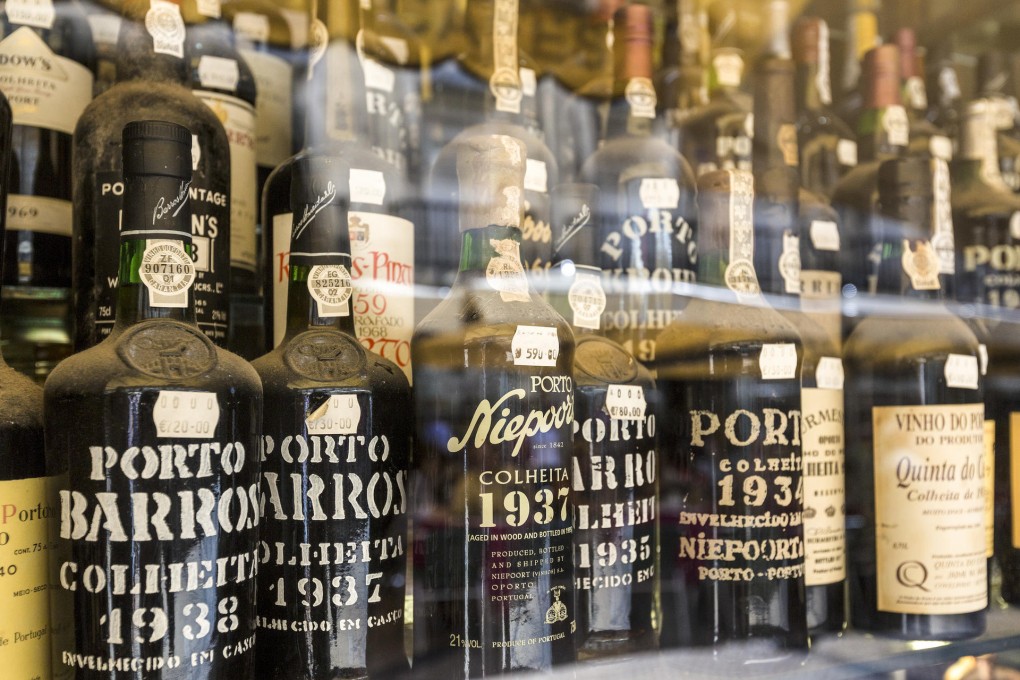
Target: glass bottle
x,y
945,104
324,393
104,17
925,138
914,403
995,82
494,412
861,38
154,438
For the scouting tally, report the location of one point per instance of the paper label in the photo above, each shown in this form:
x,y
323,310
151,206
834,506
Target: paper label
x,y
282,226
505,83
105,29
377,76
340,414
626,402
789,263
729,69
917,96
824,486
822,78
535,346
252,26
786,140
273,78
896,125
829,373
587,300
44,89
640,94
983,358
186,415
218,73
921,265
164,23
38,13
825,235
168,272
529,81
26,509
367,186
989,488
330,285
398,47
536,176
941,147
930,509
740,275
209,8
778,361
39,214
661,193
505,273
942,216
962,371
846,152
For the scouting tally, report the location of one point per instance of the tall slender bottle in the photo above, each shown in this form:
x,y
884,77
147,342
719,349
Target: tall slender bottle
x,y
946,98
684,87
914,399
494,412
730,402
615,461
25,490
104,17
646,212
861,38
925,138
157,432
324,390
153,73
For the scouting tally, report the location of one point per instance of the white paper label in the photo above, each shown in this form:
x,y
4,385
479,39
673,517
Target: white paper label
x,y
398,47
626,402
252,26
778,361
846,152
38,13
218,73
962,371
505,272
825,235
105,29
367,186
640,94
587,300
941,147
529,82
340,414
210,8
729,69
659,192
273,78
331,287
535,346
829,373
196,153
789,263
983,358
186,415
916,94
282,226
164,23
377,76
168,272
536,177
39,214
896,125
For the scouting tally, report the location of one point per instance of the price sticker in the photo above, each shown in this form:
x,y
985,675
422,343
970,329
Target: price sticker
x,y
186,415
962,371
659,192
367,186
626,402
825,235
846,152
252,26
829,373
535,346
778,361
536,176
218,73
377,76
340,414
38,13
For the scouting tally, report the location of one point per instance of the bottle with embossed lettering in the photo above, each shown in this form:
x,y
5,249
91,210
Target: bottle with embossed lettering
x,y
646,215
152,73
154,439
731,486
914,403
337,444
615,466
494,412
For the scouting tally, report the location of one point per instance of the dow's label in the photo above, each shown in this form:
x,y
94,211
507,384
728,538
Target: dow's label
x,y
824,496
40,214
535,346
929,464
26,509
167,271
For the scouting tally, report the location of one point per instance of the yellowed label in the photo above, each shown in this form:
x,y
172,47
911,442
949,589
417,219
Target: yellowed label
x,y
1014,474
824,496
989,488
24,600
930,508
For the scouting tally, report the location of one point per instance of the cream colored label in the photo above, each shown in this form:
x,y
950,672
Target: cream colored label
x,y
40,214
921,264
218,73
989,489
961,371
626,402
740,275
210,8
252,26
186,415
1014,475
829,373
44,89
367,186
822,77
273,124
930,508
640,94
846,152
778,361
505,82
505,273
942,216
164,23
789,263
282,225
535,346
38,13
825,235
340,414
896,125
941,147
587,300
25,511
824,495
105,28
536,176
377,76
662,193
167,272
729,69
330,285
917,96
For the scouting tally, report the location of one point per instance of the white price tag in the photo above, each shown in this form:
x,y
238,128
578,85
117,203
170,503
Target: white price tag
x,y
778,361
218,73
367,186
962,371
829,373
186,415
340,414
536,176
398,46
38,13
377,76
825,235
660,192
846,152
626,402
105,28
252,26
535,346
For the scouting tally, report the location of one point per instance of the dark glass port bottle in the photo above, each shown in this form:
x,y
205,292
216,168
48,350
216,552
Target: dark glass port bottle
x,y
926,140
647,219
731,469
157,431
152,72
914,403
494,412
336,451
615,459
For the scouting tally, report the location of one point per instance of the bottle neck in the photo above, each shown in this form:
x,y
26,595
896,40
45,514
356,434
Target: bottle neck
x,y
978,142
909,265
135,301
882,133
152,55
862,29
726,233
335,114
480,246
777,29
813,87
314,306
775,119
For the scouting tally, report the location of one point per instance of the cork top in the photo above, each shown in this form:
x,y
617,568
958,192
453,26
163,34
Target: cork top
x,y
882,77
633,42
807,34
907,42
490,172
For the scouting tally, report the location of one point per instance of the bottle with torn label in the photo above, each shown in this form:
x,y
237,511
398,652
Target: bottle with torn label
x,y
336,449
154,439
914,398
646,215
926,140
493,412
731,488
615,459
152,72
382,239
46,61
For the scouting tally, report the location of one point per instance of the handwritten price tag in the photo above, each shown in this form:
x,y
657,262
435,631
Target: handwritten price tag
x,y
535,346
626,402
778,361
340,414
186,415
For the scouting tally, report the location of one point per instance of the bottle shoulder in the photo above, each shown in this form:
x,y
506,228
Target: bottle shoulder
x,y
858,187
823,121
879,341
631,157
599,361
20,400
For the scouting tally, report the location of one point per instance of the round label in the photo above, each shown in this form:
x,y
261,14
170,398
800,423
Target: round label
x,y
505,273
604,360
164,23
921,265
505,84
330,285
741,278
168,272
324,356
166,349
640,94
587,300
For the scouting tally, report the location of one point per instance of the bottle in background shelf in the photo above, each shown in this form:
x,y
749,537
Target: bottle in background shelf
x,y
995,82
860,38
730,418
155,389
914,399
104,17
646,212
684,87
926,140
322,388
946,100
615,459
152,69
493,511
